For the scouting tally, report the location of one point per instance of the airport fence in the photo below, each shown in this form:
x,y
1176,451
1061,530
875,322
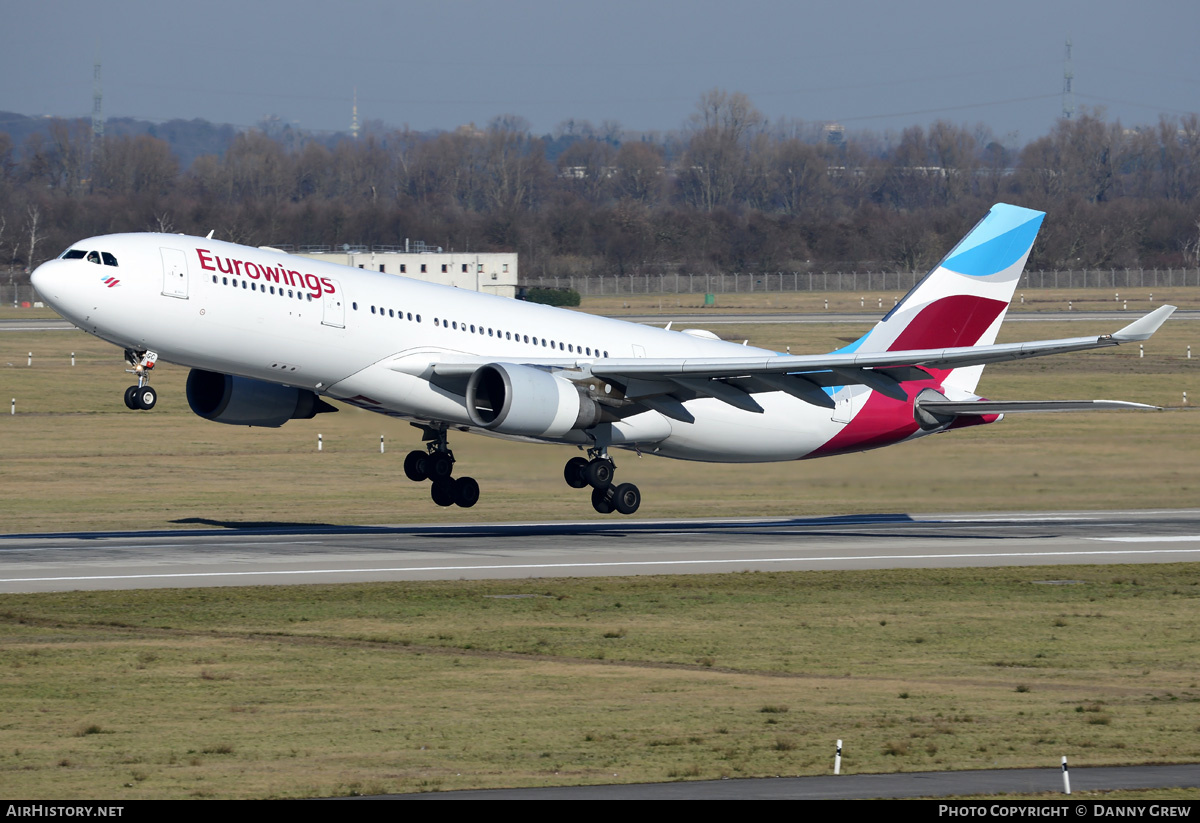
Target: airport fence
x,y
868,281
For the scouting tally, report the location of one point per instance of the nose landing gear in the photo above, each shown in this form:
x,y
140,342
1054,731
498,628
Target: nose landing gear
x,y
141,396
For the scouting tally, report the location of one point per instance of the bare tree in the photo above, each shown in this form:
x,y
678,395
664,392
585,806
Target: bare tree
x,y
717,152
31,225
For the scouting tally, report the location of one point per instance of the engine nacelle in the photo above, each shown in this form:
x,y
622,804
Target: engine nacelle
x,y
512,399
241,401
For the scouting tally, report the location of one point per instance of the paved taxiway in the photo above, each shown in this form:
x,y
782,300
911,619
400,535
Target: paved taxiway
x,y
866,786
267,554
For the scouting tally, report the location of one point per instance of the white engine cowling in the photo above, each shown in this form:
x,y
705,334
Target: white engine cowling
x,y
512,399
241,401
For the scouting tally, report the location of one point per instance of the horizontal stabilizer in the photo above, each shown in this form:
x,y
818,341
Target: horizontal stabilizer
x,y
976,407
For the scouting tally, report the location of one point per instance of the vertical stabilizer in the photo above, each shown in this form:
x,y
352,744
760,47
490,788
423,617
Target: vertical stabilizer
x,y
962,301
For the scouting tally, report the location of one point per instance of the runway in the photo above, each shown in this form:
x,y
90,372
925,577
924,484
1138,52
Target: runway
x,y
236,554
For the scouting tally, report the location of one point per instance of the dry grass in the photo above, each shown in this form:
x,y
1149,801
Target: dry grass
x,y
300,691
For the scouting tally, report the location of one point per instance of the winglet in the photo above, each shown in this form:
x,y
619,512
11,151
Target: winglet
x,y
1142,328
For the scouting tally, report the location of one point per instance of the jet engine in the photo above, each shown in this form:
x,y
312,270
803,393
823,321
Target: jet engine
x,y
512,399
241,401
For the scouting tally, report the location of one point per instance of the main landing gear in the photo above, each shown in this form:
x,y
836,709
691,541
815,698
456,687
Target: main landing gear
x,y
436,463
141,396
598,472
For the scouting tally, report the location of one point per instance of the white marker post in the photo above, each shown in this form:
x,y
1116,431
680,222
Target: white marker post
x,y
1189,357
1141,350
1069,306
381,444
826,305
30,363
319,443
72,359
1066,777
837,759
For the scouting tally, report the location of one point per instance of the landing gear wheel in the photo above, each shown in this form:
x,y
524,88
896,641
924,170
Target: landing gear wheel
x,y
600,501
626,498
599,473
442,491
131,397
416,466
440,466
466,492
145,397
573,473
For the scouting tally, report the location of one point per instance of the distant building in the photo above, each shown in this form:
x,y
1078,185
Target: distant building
x,y
489,273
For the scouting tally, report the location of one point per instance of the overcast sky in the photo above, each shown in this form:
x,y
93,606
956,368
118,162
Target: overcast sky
x,y
644,63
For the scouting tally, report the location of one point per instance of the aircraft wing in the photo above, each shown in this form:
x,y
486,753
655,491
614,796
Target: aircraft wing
x,y
663,384
732,380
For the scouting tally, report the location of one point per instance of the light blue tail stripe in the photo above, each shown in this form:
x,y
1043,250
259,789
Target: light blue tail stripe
x,y
999,240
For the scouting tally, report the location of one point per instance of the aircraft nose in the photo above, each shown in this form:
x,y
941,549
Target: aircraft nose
x,y
47,279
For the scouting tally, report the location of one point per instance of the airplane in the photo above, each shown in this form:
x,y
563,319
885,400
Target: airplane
x,y
269,337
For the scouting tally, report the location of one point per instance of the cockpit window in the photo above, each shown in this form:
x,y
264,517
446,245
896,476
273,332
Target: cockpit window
x,y
109,260
94,257
73,254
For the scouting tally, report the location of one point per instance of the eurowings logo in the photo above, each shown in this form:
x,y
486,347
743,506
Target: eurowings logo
x,y
110,281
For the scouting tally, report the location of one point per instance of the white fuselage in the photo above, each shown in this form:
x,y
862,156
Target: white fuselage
x,y
371,339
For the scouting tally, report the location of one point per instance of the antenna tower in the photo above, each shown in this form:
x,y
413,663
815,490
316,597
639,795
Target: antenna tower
x,y
97,111
354,116
1068,110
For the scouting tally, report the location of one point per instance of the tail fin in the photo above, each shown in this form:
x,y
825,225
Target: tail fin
x,y
962,301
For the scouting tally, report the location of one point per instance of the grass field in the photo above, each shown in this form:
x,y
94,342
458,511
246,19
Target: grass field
x,y
320,690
